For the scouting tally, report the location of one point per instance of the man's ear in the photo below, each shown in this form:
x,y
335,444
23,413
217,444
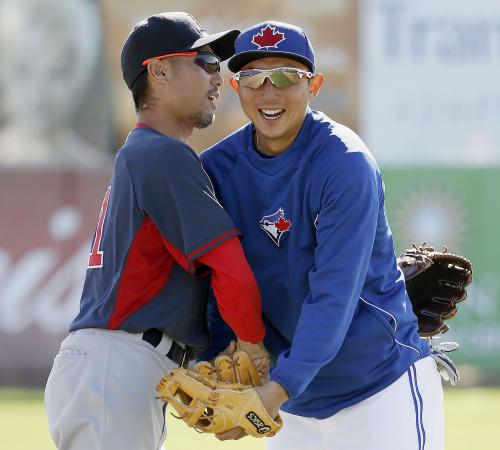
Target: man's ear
x,y
235,85
315,85
158,70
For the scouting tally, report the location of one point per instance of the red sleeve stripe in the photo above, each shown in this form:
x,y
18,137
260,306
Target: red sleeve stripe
x,y
214,242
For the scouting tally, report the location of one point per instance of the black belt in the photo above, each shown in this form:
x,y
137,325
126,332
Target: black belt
x,y
180,355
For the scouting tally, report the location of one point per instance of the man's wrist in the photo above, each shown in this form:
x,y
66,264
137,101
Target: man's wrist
x,y
279,391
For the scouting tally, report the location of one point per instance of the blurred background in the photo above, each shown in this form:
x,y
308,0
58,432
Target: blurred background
x,y
418,80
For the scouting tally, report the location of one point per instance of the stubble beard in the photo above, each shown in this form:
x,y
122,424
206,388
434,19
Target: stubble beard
x,y
202,119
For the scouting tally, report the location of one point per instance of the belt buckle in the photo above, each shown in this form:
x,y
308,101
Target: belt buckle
x,y
179,354
184,360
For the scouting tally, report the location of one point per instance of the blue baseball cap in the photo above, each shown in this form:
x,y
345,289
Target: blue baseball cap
x,y
272,38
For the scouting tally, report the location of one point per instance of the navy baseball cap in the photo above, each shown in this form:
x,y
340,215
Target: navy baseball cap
x,y
272,39
167,33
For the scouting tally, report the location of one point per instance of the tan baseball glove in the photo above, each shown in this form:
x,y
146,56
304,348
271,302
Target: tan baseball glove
x,y
435,281
213,406
235,368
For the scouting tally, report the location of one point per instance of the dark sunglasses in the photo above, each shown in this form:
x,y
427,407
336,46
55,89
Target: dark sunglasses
x,y
209,62
280,77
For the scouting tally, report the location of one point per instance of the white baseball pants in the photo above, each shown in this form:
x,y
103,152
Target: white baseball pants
x,y
407,415
101,395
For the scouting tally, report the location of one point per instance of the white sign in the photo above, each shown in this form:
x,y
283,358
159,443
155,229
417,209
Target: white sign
x,y
430,81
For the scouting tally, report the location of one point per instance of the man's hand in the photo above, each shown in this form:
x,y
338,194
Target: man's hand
x,y
272,395
258,354
235,365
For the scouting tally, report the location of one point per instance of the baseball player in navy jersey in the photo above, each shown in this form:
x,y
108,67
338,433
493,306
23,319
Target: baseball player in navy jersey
x,y
161,239
350,370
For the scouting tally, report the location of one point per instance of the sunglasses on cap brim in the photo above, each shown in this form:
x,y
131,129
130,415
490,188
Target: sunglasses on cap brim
x,y
209,62
280,77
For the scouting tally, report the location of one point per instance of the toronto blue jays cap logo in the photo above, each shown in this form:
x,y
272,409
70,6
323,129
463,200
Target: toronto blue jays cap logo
x,y
275,225
272,38
268,37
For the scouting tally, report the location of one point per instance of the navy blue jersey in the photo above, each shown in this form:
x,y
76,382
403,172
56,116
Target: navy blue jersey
x,y
338,320
158,216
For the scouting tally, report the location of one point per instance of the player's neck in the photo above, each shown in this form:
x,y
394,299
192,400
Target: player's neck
x,y
165,123
273,146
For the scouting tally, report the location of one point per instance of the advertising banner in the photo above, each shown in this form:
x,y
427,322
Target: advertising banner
x,y
459,208
429,74
47,221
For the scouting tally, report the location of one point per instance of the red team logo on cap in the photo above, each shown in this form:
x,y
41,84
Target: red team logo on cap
x,y
268,37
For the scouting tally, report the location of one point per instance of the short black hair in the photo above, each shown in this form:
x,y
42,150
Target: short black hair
x,y
140,90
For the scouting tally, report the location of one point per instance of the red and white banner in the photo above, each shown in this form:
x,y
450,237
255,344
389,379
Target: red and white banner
x,y
48,218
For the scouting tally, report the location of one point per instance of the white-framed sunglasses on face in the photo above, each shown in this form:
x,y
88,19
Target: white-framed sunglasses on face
x,y
280,77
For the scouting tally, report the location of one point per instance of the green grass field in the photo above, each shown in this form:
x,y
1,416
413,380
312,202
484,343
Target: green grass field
x,y
471,424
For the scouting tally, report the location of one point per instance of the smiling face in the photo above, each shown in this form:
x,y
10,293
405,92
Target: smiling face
x,y
277,113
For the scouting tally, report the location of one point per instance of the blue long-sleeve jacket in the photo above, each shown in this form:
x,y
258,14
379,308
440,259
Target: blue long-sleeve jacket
x,y
338,320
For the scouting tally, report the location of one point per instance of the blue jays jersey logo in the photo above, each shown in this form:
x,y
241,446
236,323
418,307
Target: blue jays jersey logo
x,y
275,225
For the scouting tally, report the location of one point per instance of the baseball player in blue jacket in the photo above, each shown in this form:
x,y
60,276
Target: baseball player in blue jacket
x,y
350,370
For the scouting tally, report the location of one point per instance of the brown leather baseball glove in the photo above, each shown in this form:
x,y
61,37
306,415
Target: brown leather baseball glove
x,y
435,281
